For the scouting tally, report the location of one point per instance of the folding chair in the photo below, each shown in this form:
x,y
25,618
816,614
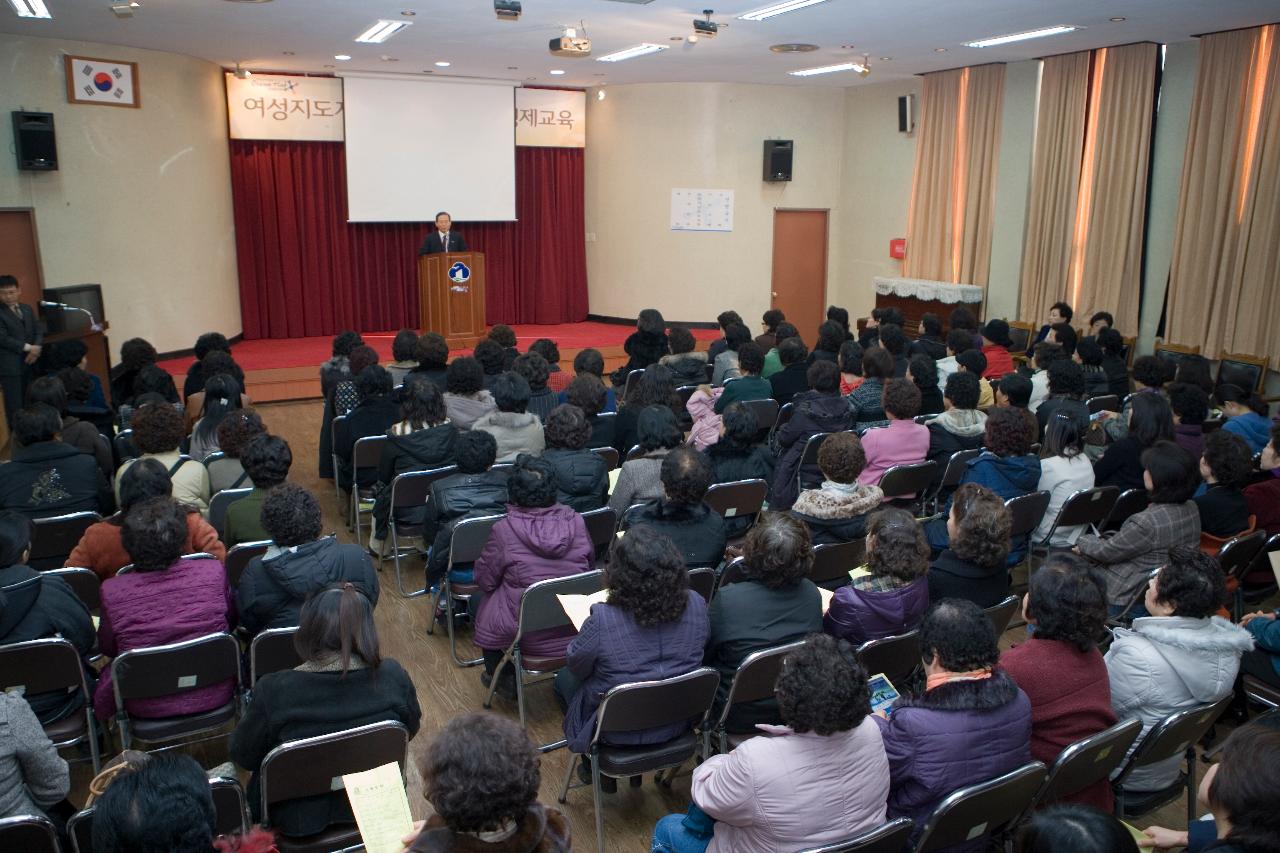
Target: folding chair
x,y
217,461
957,464
784,415
1263,580
1130,502
1001,614
753,681
809,459
703,581
124,447
634,453
541,611
733,572
1026,512
149,673
1020,334
1246,372
230,806
365,454
216,456
1212,545
1087,762
80,830
609,454
1175,735
685,392
982,810
410,490
1176,354
468,540
833,562
602,527
898,657
239,557
272,650
314,766
218,505
632,378
53,539
635,707
891,837
45,666
1235,558
766,412
1086,506
29,833
739,499
908,482
84,583
1103,403
333,432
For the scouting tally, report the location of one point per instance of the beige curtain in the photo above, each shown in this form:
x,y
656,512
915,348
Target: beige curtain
x,y
1055,182
1225,272
953,188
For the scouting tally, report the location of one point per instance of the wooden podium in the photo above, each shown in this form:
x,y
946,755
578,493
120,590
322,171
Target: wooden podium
x,y
451,287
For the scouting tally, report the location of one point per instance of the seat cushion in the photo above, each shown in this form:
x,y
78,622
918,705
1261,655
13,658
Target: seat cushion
x,y
533,664
333,838
165,728
634,760
68,728
1140,802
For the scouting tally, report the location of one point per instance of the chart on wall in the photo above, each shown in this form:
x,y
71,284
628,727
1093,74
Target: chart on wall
x,y
701,210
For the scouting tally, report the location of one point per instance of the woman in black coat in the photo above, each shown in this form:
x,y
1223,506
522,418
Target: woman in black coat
x,y
645,346
582,476
820,409
973,565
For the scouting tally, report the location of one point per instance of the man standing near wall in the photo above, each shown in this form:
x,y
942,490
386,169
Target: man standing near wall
x,y
20,341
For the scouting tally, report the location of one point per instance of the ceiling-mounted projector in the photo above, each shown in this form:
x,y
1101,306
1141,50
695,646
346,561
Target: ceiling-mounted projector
x,y
507,10
706,28
570,45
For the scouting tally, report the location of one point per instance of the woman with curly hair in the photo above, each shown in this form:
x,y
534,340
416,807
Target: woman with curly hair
x,y
973,565
651,627
157,434
215,363
403,347
581,475
481,776
1059,666
1227,467
135,354
901,441
837,510
640,479
1066,395
345,395
466,398
589,394
892,596
535,370
235,431
820,778
431,355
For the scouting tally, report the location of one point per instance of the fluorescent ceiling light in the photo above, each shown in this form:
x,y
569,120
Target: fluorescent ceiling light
x,y
557,72
381,31
30,8
1032,34
341,57
777,9
828,69
632,52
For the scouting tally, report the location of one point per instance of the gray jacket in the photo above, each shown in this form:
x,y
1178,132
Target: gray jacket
x,y
32,774
1140,545
639,480
515,432
1166,664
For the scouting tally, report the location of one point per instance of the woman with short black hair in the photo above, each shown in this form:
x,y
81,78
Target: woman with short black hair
x,y
645,346
582,475
1227,467
1246,414
892,594
516,429
1065,828
655,387
1150,420
726,363
641,478
535,370
1064,470
465,396
589,394
403,348
221,398
867,400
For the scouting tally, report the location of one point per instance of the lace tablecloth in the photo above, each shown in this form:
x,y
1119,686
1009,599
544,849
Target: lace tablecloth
x,y
928,291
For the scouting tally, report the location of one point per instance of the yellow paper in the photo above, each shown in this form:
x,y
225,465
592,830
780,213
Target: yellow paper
x,y
578,607
1138,835
860,572
827,595
613,479
97,620
381,807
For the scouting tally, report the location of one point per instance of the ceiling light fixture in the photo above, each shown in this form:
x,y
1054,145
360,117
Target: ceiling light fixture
x,y
341,57
995,41
886,59
632,52
599,94
30,8
408,13
556,72
381,31
861,67
125,10
443,64
939,50
777,9
1118,20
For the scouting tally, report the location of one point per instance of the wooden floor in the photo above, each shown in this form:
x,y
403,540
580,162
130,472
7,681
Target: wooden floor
x,y
445,690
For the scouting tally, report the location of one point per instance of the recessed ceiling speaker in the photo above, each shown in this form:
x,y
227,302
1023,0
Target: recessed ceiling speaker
x,y
777,159
34,142
906,114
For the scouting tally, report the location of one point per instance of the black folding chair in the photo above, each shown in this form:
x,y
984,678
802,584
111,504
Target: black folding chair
x,y
754,680
84,583
634,453
29,834
957,464
685,392
468,540
1085,507
833,562
1087,762
1002,614
410,490
890,837
609,454
1235,559
908,482
239,557
1104,403
80,830
124,447
365,455
739,499
897,657
272,650
702,580
733,572
766,412
809,459
53,539
219,504
1130,502
602,527
46,666
1026,512
333,433
982,810
632,378
230,806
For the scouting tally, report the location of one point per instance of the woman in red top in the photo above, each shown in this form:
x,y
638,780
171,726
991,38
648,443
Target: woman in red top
x,y
995,346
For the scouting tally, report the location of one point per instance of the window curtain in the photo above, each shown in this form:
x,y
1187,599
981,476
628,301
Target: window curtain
x,y
953,187
1224,282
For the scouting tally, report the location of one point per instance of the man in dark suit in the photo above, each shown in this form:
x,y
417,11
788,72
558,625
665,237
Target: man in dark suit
x,y
20,340
444,238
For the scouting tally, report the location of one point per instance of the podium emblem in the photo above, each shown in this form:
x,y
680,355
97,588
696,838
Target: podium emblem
x,y
459,273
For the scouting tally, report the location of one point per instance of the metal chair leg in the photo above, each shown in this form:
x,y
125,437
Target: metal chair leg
x,y
94,749
517,665
1191,784
595,793
435,605
395,548
453,637
568,777
493,682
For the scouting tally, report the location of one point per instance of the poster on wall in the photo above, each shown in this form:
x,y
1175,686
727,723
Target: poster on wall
x,y
107,82
285,106
551,118
701,210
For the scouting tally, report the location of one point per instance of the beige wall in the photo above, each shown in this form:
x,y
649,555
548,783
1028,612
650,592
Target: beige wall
x,y
141,201
1013,181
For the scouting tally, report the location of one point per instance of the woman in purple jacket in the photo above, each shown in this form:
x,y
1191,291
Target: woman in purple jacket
x,y
891,599
536,540
971,724
164,599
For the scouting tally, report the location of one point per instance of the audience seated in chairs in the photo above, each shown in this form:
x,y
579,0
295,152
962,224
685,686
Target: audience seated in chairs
x,y
581,475
929,338
590,363
215,363
837,511
767,339
961,426
1064,470
1190,407
973,565
535,370
773,357
640,479
85,398
267,460
652,627
1143,542
80,434
47,477
299,561
645,346
423,438
971,724
818,410
894,596
902,441
1014,392
466,398
372,416
1150,421
1263,497
557,378
493,361
1179,657
516,429
867,400
792,380
431,357
819,778
1226,467
958,341
589,394
923,372
342,682
345,395
737,456
850,367
1149,375
1246,415
1089,356
1059,312
1059,666
1113,361
1066,828
749,385
894,342
157,433
234,434
222,397
472,492
538,539
481,777
101,548
37,606
726,363
655,387
679,513
1066,395
165,599
403,348
135,354
724,320
831,336
973,361
34,779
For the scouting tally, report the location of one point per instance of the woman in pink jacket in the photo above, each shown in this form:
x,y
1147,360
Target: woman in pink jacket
x,y
820,779
903,441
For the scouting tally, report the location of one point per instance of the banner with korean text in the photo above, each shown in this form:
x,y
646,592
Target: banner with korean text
x,y
551,118
279,106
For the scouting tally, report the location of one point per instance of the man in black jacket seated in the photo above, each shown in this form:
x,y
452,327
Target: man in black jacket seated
x,y
473,492
582,477
694,527
373,415
47,477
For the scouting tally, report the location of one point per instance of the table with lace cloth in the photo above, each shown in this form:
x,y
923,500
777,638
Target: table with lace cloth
x,y
915,297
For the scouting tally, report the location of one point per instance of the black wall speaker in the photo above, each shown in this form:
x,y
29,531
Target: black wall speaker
x,y
777,159
906,114
34,142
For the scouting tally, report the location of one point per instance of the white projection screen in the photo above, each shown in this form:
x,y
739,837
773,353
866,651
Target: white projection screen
x,y
415,147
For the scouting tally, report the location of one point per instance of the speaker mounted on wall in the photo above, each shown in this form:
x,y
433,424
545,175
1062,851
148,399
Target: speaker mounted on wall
x,y
906,114
777,159
34,141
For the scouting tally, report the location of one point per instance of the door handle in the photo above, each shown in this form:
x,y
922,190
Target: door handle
x,y
774,294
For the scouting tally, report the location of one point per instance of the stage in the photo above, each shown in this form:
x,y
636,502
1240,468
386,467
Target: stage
x,y
277,370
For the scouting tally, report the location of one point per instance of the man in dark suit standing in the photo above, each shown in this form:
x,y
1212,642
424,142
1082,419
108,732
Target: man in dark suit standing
x,y
444,238
20,340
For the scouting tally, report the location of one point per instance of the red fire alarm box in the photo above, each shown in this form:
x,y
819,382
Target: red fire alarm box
x,y
898,248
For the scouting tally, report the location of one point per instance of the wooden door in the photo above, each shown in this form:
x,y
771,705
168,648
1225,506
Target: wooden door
x,y
20,253
800,269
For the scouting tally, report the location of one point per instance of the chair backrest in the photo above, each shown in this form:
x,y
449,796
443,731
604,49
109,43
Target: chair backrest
x,y
1103,403
737,499
653,704
53,539
908,479
412,487
147,673
80,830
84,583
218,507
956,466
1261,562
216,456
366,452
1020,334
272,650
733,572
784,415
685,392
239,557
703,581
756,677
1001,614
1237,555
1088,506
539,608
42,666
887,838
1089,760
1246,372
634,453
811,447
230,807
313,766
632,378
835,560
469,538
979,810
123,445
610,456
897,656
766,412
1130,502
29,833
1173,736
602,527
1026,511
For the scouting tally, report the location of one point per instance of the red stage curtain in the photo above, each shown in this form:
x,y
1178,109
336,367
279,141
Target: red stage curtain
x,y
304,270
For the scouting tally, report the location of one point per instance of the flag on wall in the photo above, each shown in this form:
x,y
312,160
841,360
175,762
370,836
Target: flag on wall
x,y
102,81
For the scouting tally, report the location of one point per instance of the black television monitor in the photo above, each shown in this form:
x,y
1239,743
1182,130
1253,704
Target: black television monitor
x,y
85,296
